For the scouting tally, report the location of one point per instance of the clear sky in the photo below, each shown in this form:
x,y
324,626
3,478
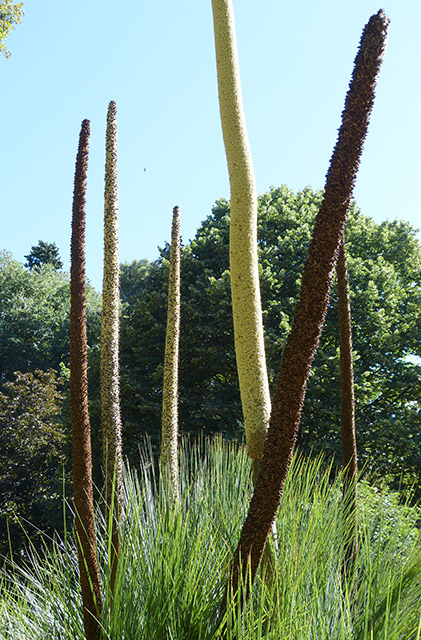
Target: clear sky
x,y
157,61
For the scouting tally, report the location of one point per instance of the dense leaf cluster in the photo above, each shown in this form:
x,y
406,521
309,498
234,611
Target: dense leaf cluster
x,y
34,317
10,15
34,399
43,253
384,263
385,278
33,445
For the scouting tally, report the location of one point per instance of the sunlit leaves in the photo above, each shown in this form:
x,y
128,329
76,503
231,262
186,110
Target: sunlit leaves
x,y
10,15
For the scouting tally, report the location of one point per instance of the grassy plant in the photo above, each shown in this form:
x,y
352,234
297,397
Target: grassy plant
x,y
174,564
310,311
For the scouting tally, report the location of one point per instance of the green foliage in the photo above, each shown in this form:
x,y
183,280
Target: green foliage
x,y
32,454
384,263
44,253
34,334
10,14
131,277
174,562
34,317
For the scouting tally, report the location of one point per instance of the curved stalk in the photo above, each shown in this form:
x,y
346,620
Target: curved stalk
x,y
245,290
311,308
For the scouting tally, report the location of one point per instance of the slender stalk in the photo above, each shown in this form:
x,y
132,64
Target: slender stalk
x,y
110,390
82,459
244,272
245,291
311,308
349,443
169,445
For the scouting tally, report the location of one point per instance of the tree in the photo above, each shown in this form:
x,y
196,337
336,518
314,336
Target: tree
x,y
34,317
34,320
43,253
206,398
81,436
33,445
34,334
131,276
384,264
10,14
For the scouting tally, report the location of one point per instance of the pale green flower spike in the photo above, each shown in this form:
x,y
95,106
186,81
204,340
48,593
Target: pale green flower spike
x,y
110,391
169,448
245,291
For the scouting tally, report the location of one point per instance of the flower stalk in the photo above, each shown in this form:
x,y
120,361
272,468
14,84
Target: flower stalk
x,y
110,389
245,288
348,437
311,308
169,439
82,457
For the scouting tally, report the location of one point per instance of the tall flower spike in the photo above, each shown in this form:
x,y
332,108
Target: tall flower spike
x,y
110,390
245,291
169,445
349,443
82,458
311,308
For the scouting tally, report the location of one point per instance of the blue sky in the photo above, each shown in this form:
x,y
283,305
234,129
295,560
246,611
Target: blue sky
x,y
157,61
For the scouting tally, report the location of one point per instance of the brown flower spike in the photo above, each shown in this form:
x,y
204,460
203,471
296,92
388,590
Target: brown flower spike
x,y
312,305
82,459
349,444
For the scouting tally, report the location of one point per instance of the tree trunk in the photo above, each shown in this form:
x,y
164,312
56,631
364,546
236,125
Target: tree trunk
x,y
82,459
110,390
169,442
311,308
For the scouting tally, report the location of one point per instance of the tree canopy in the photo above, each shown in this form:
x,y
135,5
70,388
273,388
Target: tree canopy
x,y
384,263
44,253
10,15
33,446
34,317
385,274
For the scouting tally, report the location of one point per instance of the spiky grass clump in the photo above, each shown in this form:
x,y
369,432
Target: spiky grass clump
x,y
174,563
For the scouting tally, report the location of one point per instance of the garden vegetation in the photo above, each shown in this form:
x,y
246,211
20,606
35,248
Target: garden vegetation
x,y
176,543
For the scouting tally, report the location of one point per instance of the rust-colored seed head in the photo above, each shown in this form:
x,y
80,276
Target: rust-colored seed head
x,y
82,459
